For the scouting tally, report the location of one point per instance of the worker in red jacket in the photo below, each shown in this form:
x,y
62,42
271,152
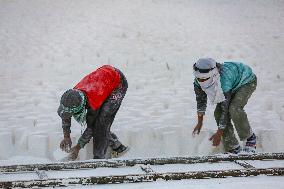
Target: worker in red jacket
x,y
94,102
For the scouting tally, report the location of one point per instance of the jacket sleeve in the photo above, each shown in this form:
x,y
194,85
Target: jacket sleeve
x,y
201,99
66,122
86,137
225,110
88,133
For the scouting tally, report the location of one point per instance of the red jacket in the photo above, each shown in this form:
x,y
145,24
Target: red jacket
x,y
98,85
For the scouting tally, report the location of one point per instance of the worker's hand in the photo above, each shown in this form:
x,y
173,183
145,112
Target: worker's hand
x,y
199,124
66,144
197,129
216,138
74,151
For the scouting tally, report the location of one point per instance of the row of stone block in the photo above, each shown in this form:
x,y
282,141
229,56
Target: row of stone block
x,y
144,142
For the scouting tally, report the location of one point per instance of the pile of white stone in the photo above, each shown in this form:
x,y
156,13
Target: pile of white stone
x,y
144,142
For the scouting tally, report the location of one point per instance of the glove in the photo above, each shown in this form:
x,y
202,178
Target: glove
x,y
66,144
74,151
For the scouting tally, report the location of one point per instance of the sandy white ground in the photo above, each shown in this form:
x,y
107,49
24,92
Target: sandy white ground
x,y
48,46
68,175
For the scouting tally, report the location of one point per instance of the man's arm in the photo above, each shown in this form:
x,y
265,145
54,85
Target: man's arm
x,y
216,138
66,143
66,124
201,99
225,110
66,121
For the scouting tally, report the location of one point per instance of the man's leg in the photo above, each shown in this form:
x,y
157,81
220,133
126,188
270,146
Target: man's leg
x,y
238,113
118,149
114,143
102,135
229,139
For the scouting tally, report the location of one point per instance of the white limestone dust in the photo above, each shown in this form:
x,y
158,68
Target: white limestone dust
x,y
59,155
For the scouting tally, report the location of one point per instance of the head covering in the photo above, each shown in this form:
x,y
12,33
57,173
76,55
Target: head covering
x,y
73,103
205,68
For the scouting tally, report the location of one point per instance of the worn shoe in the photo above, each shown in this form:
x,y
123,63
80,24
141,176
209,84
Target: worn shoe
x,y
120,151
235,150
250,146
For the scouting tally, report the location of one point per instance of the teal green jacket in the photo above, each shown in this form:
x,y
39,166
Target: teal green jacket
x,y
233,75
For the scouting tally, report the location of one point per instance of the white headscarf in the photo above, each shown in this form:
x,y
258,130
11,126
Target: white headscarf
x,y
212,86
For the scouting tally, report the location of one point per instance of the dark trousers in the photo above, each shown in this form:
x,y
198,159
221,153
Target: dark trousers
x,y
102,137
238,115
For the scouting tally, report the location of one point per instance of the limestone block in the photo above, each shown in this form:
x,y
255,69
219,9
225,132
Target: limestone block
x,y
38,145
6,144
21,135
170,143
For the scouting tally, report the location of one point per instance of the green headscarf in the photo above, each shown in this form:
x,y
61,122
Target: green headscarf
x,y
78,112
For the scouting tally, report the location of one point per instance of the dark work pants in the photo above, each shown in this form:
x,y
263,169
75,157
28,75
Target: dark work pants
x,y
238,115
102,137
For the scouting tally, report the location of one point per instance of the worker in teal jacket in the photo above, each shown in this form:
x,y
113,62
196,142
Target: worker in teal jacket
x,y
229,86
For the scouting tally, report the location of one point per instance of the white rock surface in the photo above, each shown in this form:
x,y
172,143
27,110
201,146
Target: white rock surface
x,y
6,145
38,145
